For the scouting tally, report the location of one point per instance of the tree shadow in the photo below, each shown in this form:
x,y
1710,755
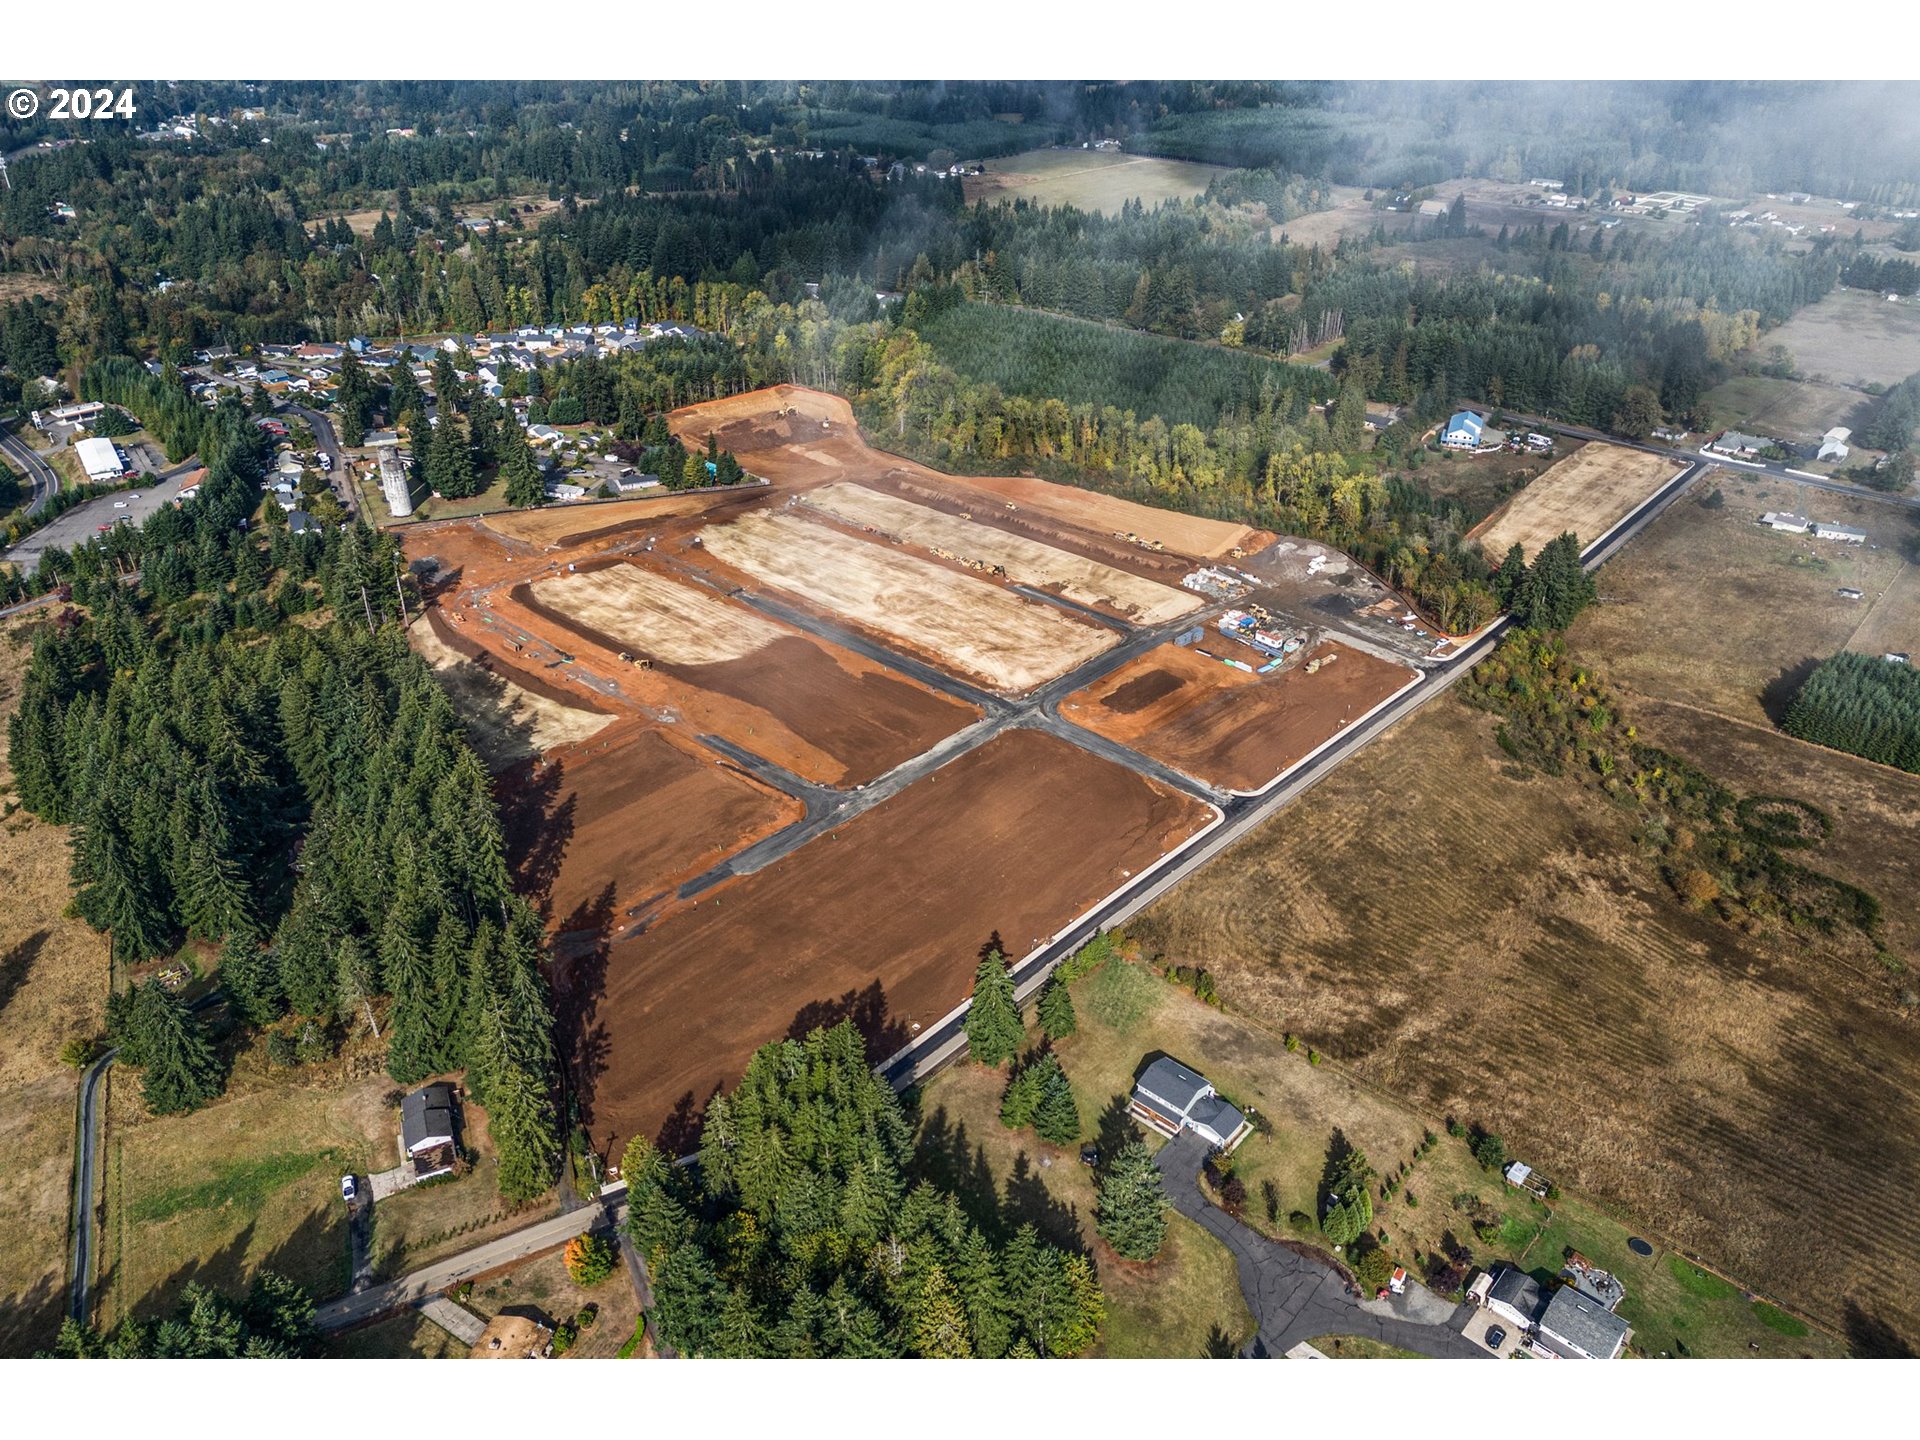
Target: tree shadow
x,y
679,1133
1027,1201
885,1034
1777,694
17,964
1115,1130
581,949
1219,1345
30,1318
537,816
1871,1338
944,1157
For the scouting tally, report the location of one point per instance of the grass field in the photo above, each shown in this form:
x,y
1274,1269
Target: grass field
x,y
1708,607
1589,492
1498,940
1102,180
1852,337
53,988
406,1336
1796,410
251,1182
1030,352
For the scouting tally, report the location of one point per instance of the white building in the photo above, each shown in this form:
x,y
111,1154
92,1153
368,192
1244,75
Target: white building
x,y
1827,530
1786,520
102,459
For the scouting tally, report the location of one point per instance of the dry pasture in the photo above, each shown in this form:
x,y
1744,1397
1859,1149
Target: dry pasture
x,y
942,613
1099,180
1796,410
1027,562
1223,725
1589,493
1853,336
1708,607
1491,947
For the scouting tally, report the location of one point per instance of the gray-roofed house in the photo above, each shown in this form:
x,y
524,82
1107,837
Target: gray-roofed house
x,y
1735,443
1515,1297
1827,530
1833,445
1170,1098
1575,1327
426,1129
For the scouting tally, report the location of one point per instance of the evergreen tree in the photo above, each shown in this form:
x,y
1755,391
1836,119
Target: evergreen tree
x,y
992,1026
940,1330
1057,1118
180,1070
1055,1010
1132,1209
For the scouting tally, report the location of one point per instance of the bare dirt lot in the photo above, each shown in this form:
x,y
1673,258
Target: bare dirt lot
x,y
1223,725
1499,942
1851,337
805,437
615,823
1025,562
1102,180
884,919
1708,607
562,525
505,721
1588,493
941,612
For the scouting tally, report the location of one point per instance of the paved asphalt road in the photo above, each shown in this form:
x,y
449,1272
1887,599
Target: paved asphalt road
x,y
424,1284
42,477
328,444
80,1262
1294,1297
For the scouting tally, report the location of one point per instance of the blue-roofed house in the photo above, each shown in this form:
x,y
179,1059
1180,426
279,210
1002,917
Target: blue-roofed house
x,y
1169,1097
1463,431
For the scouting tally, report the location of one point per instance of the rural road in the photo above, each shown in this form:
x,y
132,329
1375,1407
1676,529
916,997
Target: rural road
x,y
423,1284
43,478
85,1167
328,444
1293,1297
943,1041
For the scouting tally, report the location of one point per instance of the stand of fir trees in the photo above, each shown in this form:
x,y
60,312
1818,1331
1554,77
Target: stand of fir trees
x,y
1039,1095
1551,592
1863,705
801,1231
299,794
1132,1208
273,1322
992,1027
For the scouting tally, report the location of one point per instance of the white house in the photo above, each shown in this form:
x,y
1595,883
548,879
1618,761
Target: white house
x,y
1170,1098
1827,530
1786,520
1463,431
1833,445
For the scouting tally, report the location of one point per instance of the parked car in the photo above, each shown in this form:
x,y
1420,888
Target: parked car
x,y
1496,1337
119,504
349,1191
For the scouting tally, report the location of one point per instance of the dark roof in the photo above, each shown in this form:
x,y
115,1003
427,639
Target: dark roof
x,y
299,521
1515,1288
1217,1115
1574,1318
1172,1082
427,1115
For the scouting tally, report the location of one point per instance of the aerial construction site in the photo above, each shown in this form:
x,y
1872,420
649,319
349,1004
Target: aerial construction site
x,y
806,747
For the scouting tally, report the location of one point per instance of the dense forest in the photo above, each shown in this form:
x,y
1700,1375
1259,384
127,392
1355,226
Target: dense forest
x,y
298,794
803,1231
1863,705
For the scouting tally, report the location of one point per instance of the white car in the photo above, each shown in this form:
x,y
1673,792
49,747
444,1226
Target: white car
x,y
119,504
349,1191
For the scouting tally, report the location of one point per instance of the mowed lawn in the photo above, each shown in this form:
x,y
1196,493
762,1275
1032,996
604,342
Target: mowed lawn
x,y
251,1182
1484,942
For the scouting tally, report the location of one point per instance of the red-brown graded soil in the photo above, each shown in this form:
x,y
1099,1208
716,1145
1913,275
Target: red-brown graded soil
x,y
884,918
1222,725
612,823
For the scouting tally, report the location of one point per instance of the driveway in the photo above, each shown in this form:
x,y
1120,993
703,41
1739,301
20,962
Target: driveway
x,y
1295,1298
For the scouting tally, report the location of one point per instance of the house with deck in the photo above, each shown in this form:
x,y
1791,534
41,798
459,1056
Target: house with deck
x,y
427,1130
1169,1098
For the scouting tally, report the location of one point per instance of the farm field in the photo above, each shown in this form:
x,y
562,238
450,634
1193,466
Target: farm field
x,y
1851,337
1708,607
1588,493
1501,941
1227,727
941,612
884,919
53,988
1026,562
1481,483
1794,410
1102,180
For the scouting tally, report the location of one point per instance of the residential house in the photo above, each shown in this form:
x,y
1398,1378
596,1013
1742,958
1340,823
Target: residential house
x,y
299,522
1735,443
1833,445
1827,530
1463,431
1169,1097
1573,1326
1515,1297
427,1129
1786,520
